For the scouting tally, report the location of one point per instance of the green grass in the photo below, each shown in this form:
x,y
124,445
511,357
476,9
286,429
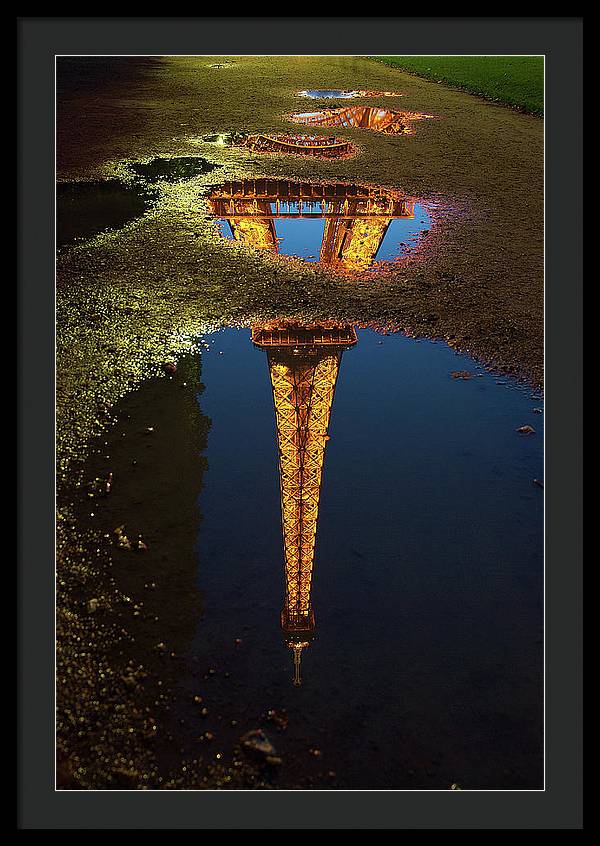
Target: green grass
x,y
514,80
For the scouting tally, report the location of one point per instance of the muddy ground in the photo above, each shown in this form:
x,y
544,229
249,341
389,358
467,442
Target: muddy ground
x,y
133,300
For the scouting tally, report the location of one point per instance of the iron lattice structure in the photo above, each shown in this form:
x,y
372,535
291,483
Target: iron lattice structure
x,y
304,363
363,117
303,394
300,145
356,218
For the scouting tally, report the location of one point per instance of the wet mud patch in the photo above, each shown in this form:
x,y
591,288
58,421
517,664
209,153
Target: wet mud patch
x,y
145,590
172,170
341,94
363,117
351,229
85,209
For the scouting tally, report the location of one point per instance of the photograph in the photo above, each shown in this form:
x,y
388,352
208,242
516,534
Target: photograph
x,y
299,445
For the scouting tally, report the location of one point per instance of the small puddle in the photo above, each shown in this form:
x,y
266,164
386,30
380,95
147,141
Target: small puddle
x,y
221,65
363,117
349,228
337,94
286,143
85,209
172,170
314,146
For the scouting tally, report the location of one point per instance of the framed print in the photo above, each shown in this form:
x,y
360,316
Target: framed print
x,y
291,319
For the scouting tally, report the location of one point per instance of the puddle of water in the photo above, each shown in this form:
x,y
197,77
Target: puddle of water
x,y
285,143
172,170
315,146
337,94
221,65
363,117
349,228
402,637
84,209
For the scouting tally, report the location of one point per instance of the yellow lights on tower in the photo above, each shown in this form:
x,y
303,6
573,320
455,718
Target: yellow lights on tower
x,y
356,218
363,117
304,361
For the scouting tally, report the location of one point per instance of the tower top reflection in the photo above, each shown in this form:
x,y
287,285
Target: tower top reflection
x,y
304,362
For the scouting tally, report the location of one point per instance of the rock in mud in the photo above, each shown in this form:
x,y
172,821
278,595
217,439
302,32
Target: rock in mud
x,y
258,746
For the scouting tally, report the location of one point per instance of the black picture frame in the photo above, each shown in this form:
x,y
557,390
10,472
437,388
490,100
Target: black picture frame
x,y
556,807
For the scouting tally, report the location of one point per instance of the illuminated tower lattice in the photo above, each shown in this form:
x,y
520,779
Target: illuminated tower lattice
x,y
364,117
356,218
304,362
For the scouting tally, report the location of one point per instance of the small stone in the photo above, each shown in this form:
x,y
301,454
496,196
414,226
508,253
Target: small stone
x,y
526,430
461,374
92,605
257,744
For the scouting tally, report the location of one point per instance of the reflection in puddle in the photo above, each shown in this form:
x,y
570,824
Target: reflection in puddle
x,y
316,146
84,209
172,170
388,535
363,117
337,94
349,228
304,362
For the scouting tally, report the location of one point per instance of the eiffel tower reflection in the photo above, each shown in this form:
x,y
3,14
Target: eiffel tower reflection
x,y
304,361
